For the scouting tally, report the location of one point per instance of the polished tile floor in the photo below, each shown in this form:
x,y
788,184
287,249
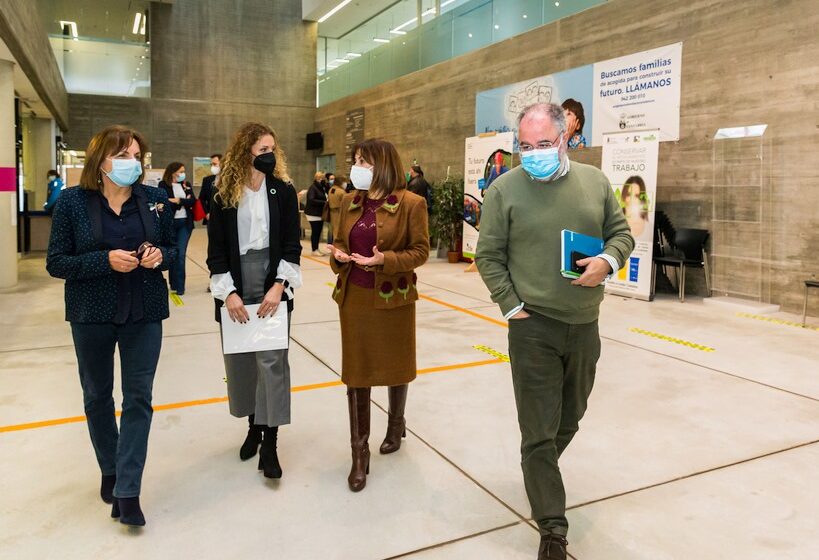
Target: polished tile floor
x,y
695,451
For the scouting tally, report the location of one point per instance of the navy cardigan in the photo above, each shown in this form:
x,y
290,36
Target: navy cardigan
x,y
77,254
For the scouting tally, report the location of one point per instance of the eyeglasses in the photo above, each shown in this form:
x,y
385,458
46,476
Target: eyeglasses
x,y
544,145
145,250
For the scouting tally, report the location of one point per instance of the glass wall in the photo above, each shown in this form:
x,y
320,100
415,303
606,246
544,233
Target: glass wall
x,y
393,44
103,67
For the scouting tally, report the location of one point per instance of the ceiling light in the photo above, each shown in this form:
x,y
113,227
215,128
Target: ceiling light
x,y
137,18
353,55
557,3
72,25
341,61
398,32
144,21
377,40
525,16
497,26
470,35
332,12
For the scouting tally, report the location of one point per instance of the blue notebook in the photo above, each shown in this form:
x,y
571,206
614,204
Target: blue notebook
x,y
579,246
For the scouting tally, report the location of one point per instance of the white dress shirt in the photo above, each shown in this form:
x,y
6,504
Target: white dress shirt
x,y
253,222
179,192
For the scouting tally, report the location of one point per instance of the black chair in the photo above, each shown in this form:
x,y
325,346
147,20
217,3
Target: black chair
x,y
808,284
689,248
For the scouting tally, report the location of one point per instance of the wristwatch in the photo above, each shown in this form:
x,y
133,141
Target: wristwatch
x,y
283,282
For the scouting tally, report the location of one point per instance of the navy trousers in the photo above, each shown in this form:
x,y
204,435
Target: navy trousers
x,y
121,452
176,273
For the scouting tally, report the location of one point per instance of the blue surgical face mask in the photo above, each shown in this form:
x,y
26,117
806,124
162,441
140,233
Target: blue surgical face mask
x,y
124,172
180,178
543,165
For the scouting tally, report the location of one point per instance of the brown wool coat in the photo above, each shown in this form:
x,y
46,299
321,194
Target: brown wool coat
x,y
403,237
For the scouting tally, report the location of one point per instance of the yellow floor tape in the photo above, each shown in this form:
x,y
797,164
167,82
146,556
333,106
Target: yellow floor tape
x,y
486,350
776,321
177,301
679,341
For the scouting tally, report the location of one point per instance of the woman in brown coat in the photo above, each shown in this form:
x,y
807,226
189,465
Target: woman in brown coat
x,y
382,237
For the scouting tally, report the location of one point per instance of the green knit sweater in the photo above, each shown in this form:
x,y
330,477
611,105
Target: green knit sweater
x,y
518,252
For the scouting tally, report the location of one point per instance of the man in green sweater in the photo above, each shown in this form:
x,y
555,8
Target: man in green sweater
x,y
554,342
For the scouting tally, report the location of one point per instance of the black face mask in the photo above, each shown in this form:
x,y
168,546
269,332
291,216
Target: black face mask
x,y
266,163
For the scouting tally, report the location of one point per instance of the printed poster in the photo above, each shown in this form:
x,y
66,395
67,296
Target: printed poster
x,y
630,163
487,157
639,92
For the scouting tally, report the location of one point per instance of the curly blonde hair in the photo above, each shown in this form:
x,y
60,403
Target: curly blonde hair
x,y
238,163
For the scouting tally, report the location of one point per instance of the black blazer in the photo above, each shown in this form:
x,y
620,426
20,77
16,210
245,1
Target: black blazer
x,y
316,198
285,236
206,192
187,202
77,254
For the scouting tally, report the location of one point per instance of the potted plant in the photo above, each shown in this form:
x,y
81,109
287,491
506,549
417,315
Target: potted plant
x,y
448,215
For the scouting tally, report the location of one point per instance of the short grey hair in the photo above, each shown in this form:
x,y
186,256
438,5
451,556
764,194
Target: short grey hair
x,y
551,110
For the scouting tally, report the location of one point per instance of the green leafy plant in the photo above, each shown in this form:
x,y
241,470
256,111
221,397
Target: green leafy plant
x,y
448,211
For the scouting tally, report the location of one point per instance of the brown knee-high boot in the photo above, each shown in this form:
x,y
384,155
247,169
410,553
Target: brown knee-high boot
x,y
358,400
397,424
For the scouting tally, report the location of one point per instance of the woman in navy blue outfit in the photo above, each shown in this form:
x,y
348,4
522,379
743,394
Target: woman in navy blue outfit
x,y
181,198
111,238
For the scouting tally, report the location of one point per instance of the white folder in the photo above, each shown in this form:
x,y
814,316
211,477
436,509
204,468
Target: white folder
x,y
257,335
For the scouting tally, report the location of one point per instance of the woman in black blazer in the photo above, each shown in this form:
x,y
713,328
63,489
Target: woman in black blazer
x,y
253,257
181,198
110,241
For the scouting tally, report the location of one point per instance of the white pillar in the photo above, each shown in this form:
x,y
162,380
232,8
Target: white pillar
x,y
8,179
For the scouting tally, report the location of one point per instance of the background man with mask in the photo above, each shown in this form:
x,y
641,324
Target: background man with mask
x,y
55,186
208,185
554,342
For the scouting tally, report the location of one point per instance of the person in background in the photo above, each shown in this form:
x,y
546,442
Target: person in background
x,y
334,197
253,257
329,180
181,199
110,243
209,186
498,168
382,237
55,186
313,209
418,185
554,342
575,119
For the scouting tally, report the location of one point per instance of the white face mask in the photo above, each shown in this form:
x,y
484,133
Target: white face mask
x,y
214,169
361,177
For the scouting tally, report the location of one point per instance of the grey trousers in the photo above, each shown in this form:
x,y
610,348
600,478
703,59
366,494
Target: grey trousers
x,y
258,382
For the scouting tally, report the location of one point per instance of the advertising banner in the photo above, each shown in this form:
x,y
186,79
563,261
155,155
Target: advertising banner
x,y
638,92
487,157
635,92
630,163
497,110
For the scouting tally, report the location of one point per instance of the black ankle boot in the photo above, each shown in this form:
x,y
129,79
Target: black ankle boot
x,y
252,441
268,457
107,488
128,511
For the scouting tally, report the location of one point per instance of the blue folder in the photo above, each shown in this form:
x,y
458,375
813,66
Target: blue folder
x,y
573,242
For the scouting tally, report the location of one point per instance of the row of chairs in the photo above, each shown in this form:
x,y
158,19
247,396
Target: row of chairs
x,y
680,250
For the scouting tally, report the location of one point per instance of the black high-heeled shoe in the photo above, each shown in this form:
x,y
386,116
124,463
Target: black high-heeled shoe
x,y
254,438
268,456
128,512
107,488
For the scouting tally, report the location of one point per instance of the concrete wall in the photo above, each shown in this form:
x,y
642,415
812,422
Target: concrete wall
x,y
24,34
743,63
214,66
